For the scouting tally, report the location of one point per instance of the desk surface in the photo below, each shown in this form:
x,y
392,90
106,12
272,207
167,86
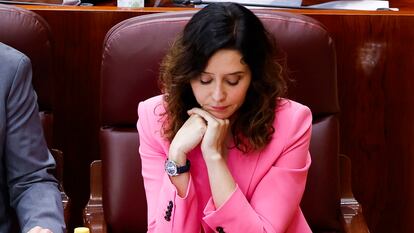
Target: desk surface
x,y
402,11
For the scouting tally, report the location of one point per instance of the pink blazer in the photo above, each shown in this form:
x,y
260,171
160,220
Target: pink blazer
x,y
270,182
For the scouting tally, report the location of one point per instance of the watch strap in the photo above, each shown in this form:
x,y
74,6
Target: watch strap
x,y
185,168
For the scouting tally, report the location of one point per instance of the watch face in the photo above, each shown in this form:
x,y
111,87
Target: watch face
x,y
171,168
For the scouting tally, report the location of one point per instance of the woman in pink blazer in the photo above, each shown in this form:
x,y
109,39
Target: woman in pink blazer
x,y
221,149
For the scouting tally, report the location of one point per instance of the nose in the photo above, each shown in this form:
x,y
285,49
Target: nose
x,y
219,94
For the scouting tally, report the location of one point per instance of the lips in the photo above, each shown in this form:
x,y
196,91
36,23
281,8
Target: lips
x,y
218,108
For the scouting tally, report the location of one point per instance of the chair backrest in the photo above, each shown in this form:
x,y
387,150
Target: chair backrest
x,y
133,50
29,33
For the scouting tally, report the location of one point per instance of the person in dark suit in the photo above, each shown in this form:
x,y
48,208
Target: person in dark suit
x,y
28,190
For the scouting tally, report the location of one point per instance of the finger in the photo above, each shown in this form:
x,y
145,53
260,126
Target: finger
x,y
35,229
44,230
204,114
38,229
197,118
194,115
191,111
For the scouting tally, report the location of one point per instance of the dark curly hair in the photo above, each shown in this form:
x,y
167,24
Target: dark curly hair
x,y
225,26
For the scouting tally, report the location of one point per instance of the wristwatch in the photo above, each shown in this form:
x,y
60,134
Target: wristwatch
x,y
173,169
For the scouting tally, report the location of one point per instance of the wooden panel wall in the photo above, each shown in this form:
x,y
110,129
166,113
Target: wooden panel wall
x,y
375,54
375,61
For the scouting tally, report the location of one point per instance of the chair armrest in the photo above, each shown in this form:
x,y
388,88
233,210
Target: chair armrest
x,y
353,219
58,156
93,215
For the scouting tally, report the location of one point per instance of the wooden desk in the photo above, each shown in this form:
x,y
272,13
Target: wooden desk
x,y
375,52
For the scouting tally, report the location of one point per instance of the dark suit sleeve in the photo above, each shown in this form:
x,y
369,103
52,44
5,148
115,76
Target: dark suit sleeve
x,y
33,190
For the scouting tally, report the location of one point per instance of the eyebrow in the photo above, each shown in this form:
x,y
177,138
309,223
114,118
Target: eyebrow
x,y
233,73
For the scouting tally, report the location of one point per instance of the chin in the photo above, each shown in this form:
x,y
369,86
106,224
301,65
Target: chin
x,y
220,116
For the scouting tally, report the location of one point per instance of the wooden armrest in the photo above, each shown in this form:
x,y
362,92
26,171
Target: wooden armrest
x,y
58,156
93,215
353,219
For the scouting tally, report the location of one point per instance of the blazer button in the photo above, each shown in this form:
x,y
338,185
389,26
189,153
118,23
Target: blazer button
x,y
170,206
168,211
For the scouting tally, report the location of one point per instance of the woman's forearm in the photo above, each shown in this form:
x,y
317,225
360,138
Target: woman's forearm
x,y
180,181
222,183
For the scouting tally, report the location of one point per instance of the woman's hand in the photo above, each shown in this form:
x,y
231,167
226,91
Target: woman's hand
x,y
214,142
214,149
187,138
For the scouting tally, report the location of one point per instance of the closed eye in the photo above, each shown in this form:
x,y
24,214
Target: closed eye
x,y
233,80
205,79
205,82
233,83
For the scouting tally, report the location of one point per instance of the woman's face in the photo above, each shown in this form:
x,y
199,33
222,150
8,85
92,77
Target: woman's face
x,y
222,86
